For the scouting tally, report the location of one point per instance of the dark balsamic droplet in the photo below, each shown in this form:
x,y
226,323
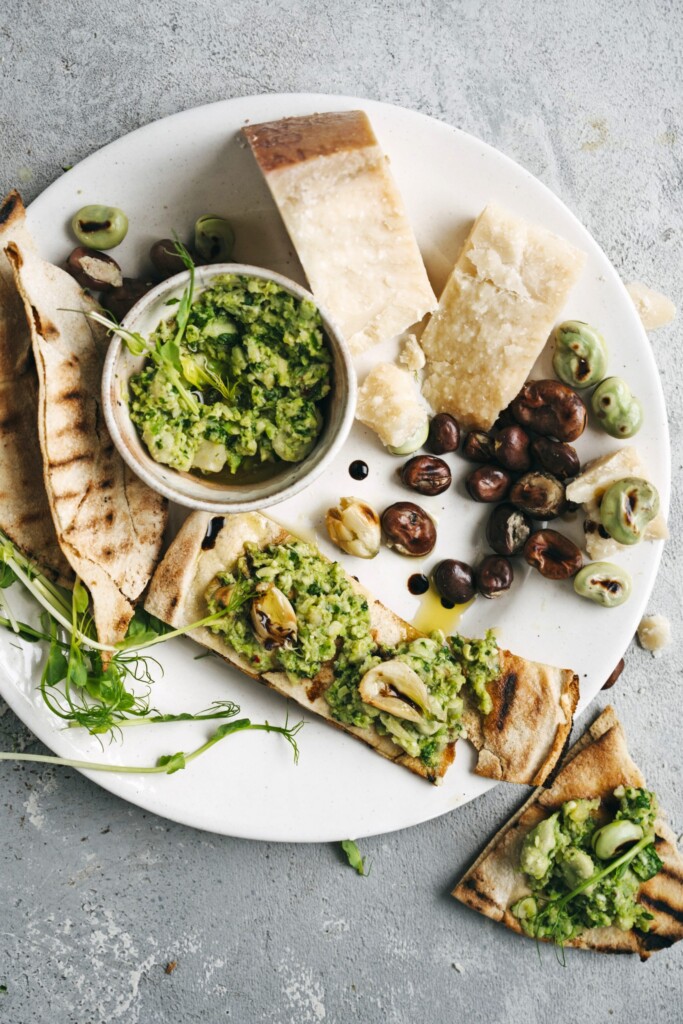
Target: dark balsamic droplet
x,y
358,469
418,583
212,531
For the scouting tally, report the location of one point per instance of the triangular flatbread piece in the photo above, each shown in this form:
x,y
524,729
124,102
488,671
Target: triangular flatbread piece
x,y
109,524
24,509
594,767
533,704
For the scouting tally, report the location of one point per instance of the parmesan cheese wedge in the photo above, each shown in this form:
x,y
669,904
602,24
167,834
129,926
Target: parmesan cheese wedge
x,y
654,309
589,488
389,403
506,291
346,218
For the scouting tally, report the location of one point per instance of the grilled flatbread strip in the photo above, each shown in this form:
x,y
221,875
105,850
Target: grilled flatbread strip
x,y
24,509
594,767
109,524
176,595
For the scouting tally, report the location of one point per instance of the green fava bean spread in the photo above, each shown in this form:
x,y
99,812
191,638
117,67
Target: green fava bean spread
x,y
627,507
580,357
584,865
332,630
241,388
603,582
617,409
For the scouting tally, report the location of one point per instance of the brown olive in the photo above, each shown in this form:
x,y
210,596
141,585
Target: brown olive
x,y
94,270
426,474
120,300
507,530
494,576
454,581
556,457
555,556
408,529
611,679
550,408
444,434
505,419
478,446
488,483
511,448
165,258
540,495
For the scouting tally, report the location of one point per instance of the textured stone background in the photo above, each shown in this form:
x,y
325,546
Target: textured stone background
x,y
96,896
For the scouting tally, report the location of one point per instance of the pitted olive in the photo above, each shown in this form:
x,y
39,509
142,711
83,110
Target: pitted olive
x,y
488,483
555,556
494,576
478,446
94,270
426,474
454,581
580,357
614,675
511,448
556,457
165,257
508,529
619,411
540,495
627,507
550,408
603,582
444,434
408,529
120,300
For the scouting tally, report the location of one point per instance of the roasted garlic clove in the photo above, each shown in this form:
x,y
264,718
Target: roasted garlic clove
x,y
273,617
354,527
395,687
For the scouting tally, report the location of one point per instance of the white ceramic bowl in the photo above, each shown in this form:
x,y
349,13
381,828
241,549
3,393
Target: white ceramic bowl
x,y
201,492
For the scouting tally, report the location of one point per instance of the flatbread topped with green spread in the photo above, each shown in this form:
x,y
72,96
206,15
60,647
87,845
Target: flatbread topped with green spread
x,y
588,862
284,614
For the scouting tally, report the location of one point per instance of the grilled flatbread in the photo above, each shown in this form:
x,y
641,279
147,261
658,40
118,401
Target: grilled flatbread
x,y
521,750
594,767
108,523
24,508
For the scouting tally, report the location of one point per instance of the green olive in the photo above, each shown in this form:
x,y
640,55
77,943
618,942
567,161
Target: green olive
x,y
214,239
580,357
627,507
100,227
607,840
603,582
617,409
415,441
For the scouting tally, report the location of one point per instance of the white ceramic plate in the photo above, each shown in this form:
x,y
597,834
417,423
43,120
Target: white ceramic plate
x,y
164,175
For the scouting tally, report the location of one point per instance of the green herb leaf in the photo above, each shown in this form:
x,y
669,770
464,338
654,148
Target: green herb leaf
x,y
7,576
353,856
172,762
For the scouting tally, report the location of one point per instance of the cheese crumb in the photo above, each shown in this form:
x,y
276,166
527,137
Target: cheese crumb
x,y
388,403
411,355
653,308
654,633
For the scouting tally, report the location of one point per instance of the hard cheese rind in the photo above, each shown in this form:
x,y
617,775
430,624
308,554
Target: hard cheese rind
x,y
533,704
506,291
346,218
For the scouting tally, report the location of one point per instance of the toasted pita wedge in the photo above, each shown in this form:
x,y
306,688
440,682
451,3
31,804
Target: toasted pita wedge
x,y
206,546
24,508
108,523
594,767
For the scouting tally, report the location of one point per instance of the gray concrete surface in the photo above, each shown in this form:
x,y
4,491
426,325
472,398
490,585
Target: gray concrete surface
x,y
97,897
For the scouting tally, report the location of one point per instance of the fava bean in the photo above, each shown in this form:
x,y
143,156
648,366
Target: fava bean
x,y
214,238
603,582
580,357
627,507
100,227
618,410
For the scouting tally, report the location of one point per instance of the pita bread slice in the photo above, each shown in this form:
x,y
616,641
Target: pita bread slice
x,y
206,546
24,509
109,525
594,767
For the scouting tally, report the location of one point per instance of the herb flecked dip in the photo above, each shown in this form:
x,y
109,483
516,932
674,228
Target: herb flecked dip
x,y
236,381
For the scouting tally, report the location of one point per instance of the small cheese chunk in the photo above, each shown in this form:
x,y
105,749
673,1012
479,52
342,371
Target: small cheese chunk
x,y
653,308
389,403
509,285
411,355
346,218
589,488
654,633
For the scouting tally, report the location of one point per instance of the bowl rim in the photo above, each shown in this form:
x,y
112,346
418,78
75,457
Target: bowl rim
x,y
221,503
